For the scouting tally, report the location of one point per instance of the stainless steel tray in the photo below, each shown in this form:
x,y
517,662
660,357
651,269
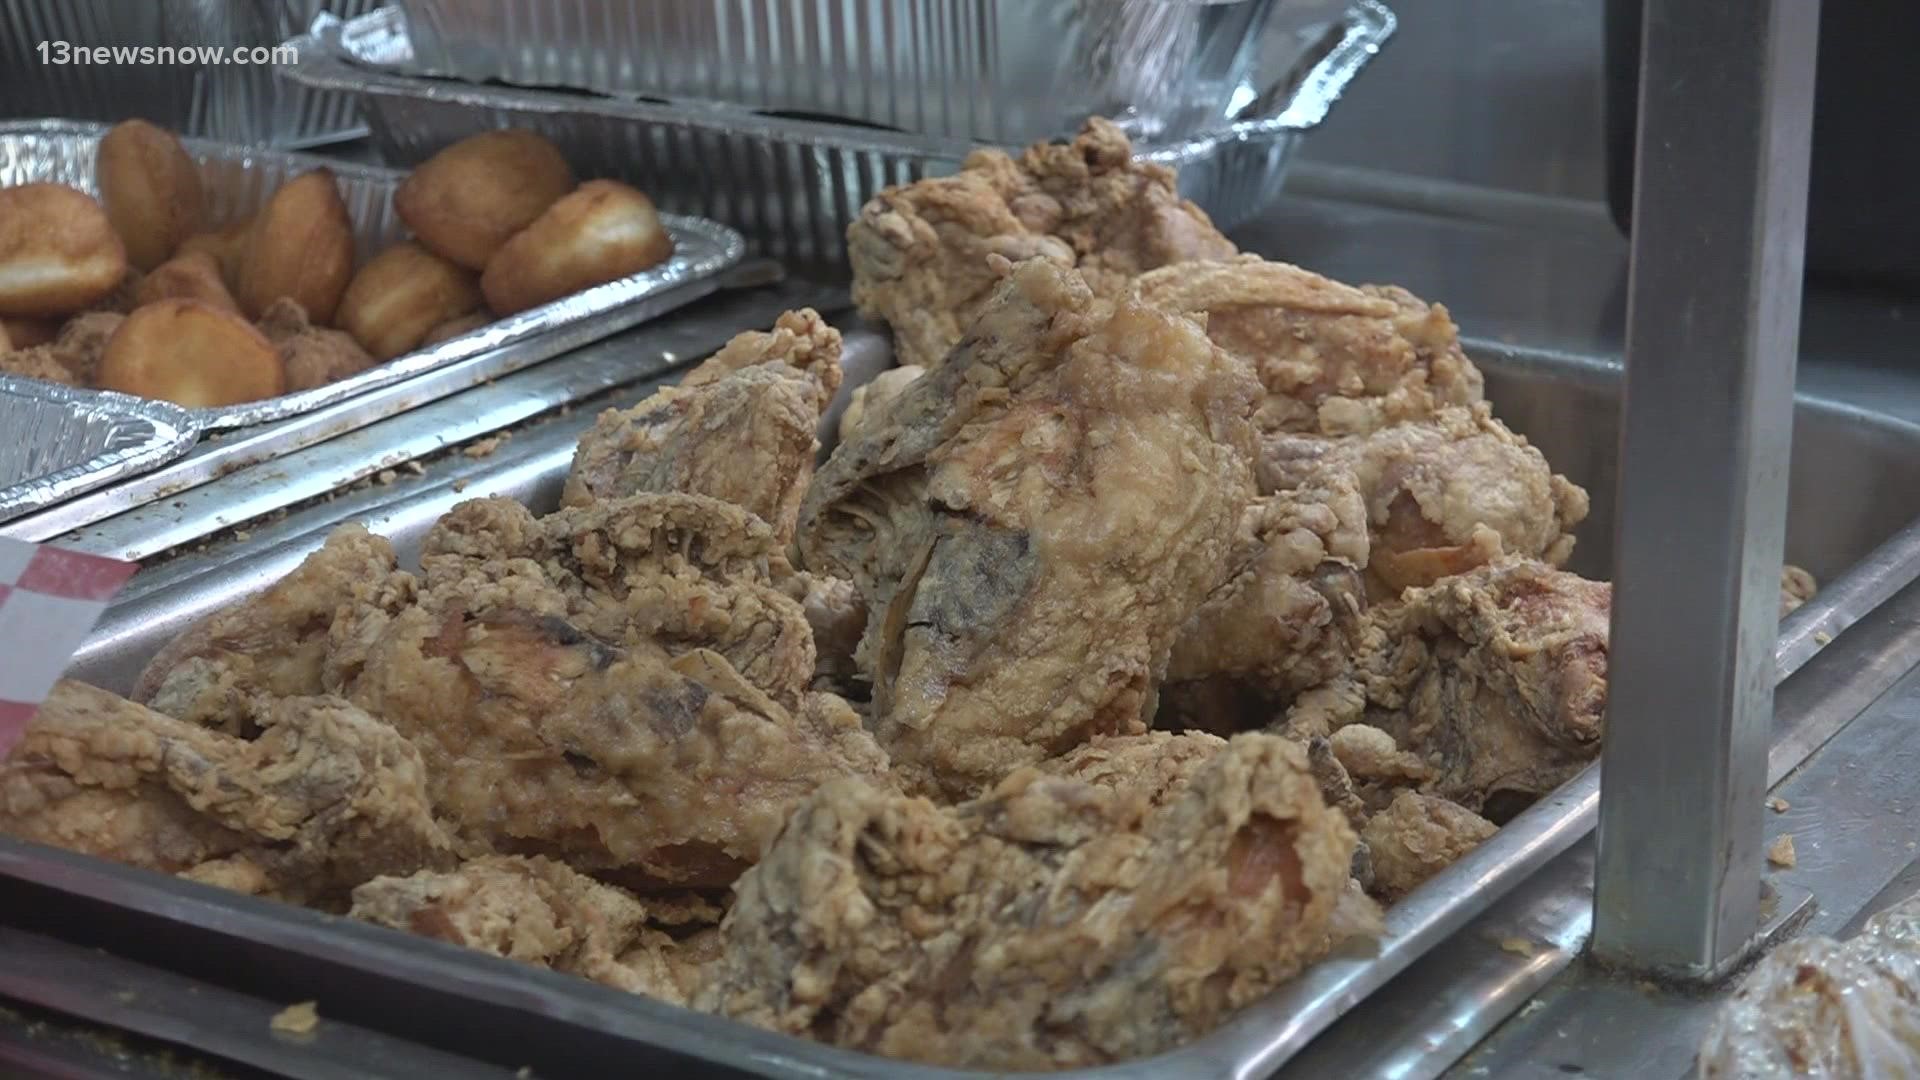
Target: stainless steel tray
x,y
57,441
239,180
1847,496
1002,71
234,102
793,185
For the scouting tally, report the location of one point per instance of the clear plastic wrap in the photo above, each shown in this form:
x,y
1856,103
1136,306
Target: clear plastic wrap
x,y
1821,1008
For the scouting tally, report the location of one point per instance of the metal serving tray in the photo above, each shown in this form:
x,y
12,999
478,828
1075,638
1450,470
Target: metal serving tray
x,y
792,185
239,180
57,441
233,103
1001,71
1847,496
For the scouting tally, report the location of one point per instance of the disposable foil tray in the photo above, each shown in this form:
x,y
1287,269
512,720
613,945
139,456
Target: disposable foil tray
x,y
238,180
57,441
793,185
1001,71
232,102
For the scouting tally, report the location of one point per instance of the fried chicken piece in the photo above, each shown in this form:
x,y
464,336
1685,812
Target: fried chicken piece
x,y
72,357
920,252
1443,495
313,355
674,571
1493,681
1335,360
323,799
837,617
37,362
617,686
1288,618
1416,837
746,438
1156,766
540,912
800,339
867,408
1038,518
1796,588
1052,923
274,642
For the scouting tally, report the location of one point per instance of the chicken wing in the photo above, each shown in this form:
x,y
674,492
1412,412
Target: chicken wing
x,y
617,685
541,912
323,799
1039,517
274,642
1049,924
1334,359
920,252
1443,495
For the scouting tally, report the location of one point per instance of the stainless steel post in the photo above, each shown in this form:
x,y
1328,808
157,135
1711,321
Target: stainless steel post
x,y
1719,216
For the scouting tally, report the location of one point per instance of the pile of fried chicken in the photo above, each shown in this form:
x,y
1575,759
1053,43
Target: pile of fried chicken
x,y
1181,610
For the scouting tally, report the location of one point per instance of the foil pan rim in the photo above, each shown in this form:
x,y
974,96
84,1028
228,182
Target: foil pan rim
x,y
172,431
326,63
703,249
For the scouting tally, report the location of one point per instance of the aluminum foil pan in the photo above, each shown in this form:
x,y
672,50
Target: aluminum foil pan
x,y
232,102
1005,71
238,180
59,441
793,185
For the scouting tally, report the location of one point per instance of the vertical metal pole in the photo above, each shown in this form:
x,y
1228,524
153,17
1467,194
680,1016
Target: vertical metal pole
x,y
1713,316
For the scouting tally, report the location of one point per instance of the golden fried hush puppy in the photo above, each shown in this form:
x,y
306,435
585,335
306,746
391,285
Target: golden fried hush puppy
x,y
58,253
192,354
453,328
312,355
151,190
603,231
465,201
228,247
300,246
192,275
26,333
403,293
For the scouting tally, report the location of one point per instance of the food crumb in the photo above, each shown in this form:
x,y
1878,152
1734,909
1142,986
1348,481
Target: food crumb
x,y
297,1019
1519,946
387,476
1780,852
487,446
524,1072
1821,637
460,485
415,468
1532,1007
1779,805
242,534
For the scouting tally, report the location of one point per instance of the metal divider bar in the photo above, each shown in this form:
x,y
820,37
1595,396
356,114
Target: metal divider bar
x,y
1726,101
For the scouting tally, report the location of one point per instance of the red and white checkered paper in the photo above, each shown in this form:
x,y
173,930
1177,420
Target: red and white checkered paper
x,y
49,600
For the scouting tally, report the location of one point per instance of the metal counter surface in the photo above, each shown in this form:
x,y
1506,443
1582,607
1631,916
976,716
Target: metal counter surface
x,y
1552,274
